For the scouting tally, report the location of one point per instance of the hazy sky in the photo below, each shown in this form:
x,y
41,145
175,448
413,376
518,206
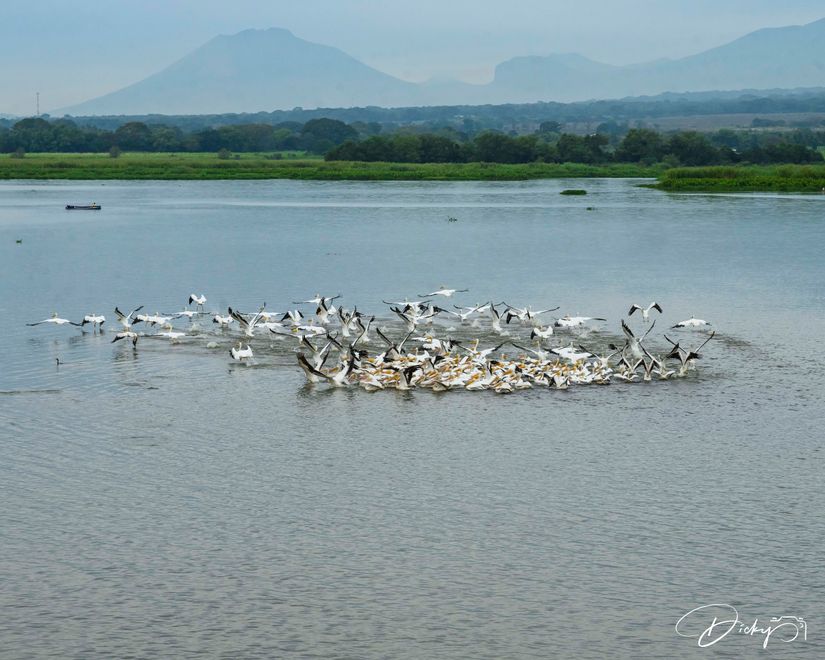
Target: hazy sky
x,y
73,50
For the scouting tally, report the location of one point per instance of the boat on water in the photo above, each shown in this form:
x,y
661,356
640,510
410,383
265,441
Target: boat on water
x,y
83,207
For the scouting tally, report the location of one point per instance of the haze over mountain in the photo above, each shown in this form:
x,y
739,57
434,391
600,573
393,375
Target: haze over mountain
x,y
272,69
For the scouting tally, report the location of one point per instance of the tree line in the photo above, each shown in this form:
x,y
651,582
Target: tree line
x,y
36,134
474,119
637,145
360,141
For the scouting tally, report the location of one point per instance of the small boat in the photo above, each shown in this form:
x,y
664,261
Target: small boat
x,y
83,207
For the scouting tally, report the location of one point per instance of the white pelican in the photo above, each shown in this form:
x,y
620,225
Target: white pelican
x,y
222,321
96,320
645,310
126,319
495,315
572,354
172,335
687,358
692,322
539,353
54,319
188,313
293,315
540,333
525,314
443,291
634,343
153,319
341,376
126,334
465,313
317,300
200,300
313,375
575,321
247,325
240,353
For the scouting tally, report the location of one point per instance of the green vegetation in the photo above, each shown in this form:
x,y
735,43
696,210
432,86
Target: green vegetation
x,y
38,135
636,145
799,108
273,166
336,140
751,178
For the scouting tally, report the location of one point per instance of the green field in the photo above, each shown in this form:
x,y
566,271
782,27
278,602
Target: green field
x,y
744,178
288,166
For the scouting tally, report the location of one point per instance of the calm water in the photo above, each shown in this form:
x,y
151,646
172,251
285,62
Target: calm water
x,y
163,502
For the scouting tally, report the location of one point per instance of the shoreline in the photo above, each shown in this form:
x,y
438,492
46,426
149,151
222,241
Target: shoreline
x,y
135,166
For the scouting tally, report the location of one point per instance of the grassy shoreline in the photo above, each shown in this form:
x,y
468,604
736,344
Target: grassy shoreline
x,y
744,178
205,166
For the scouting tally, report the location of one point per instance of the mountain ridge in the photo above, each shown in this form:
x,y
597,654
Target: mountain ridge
x,y
272,69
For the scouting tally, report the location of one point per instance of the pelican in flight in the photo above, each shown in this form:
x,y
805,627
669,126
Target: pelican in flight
x,y
525,314
127,334
96,320
645,310
200,300
188,313
692,322
575,321
465,313
317,300
687,358
634,343
126,319
313,375
54,319
443,291
247,325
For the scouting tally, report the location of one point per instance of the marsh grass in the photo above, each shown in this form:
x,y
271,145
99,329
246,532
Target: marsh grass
x,y
182,166
744,178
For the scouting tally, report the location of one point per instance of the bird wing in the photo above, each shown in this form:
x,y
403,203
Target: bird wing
x,y
627,331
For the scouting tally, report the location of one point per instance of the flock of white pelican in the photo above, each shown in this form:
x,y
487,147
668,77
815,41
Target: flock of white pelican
x,y
424,345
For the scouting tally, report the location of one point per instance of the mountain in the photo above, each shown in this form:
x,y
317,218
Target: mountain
x,y
775,57
255,70
265,70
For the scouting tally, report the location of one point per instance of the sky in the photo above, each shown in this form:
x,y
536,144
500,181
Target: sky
x,y
74,50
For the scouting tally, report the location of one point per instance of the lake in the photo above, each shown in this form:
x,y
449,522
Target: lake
x,y
168,502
